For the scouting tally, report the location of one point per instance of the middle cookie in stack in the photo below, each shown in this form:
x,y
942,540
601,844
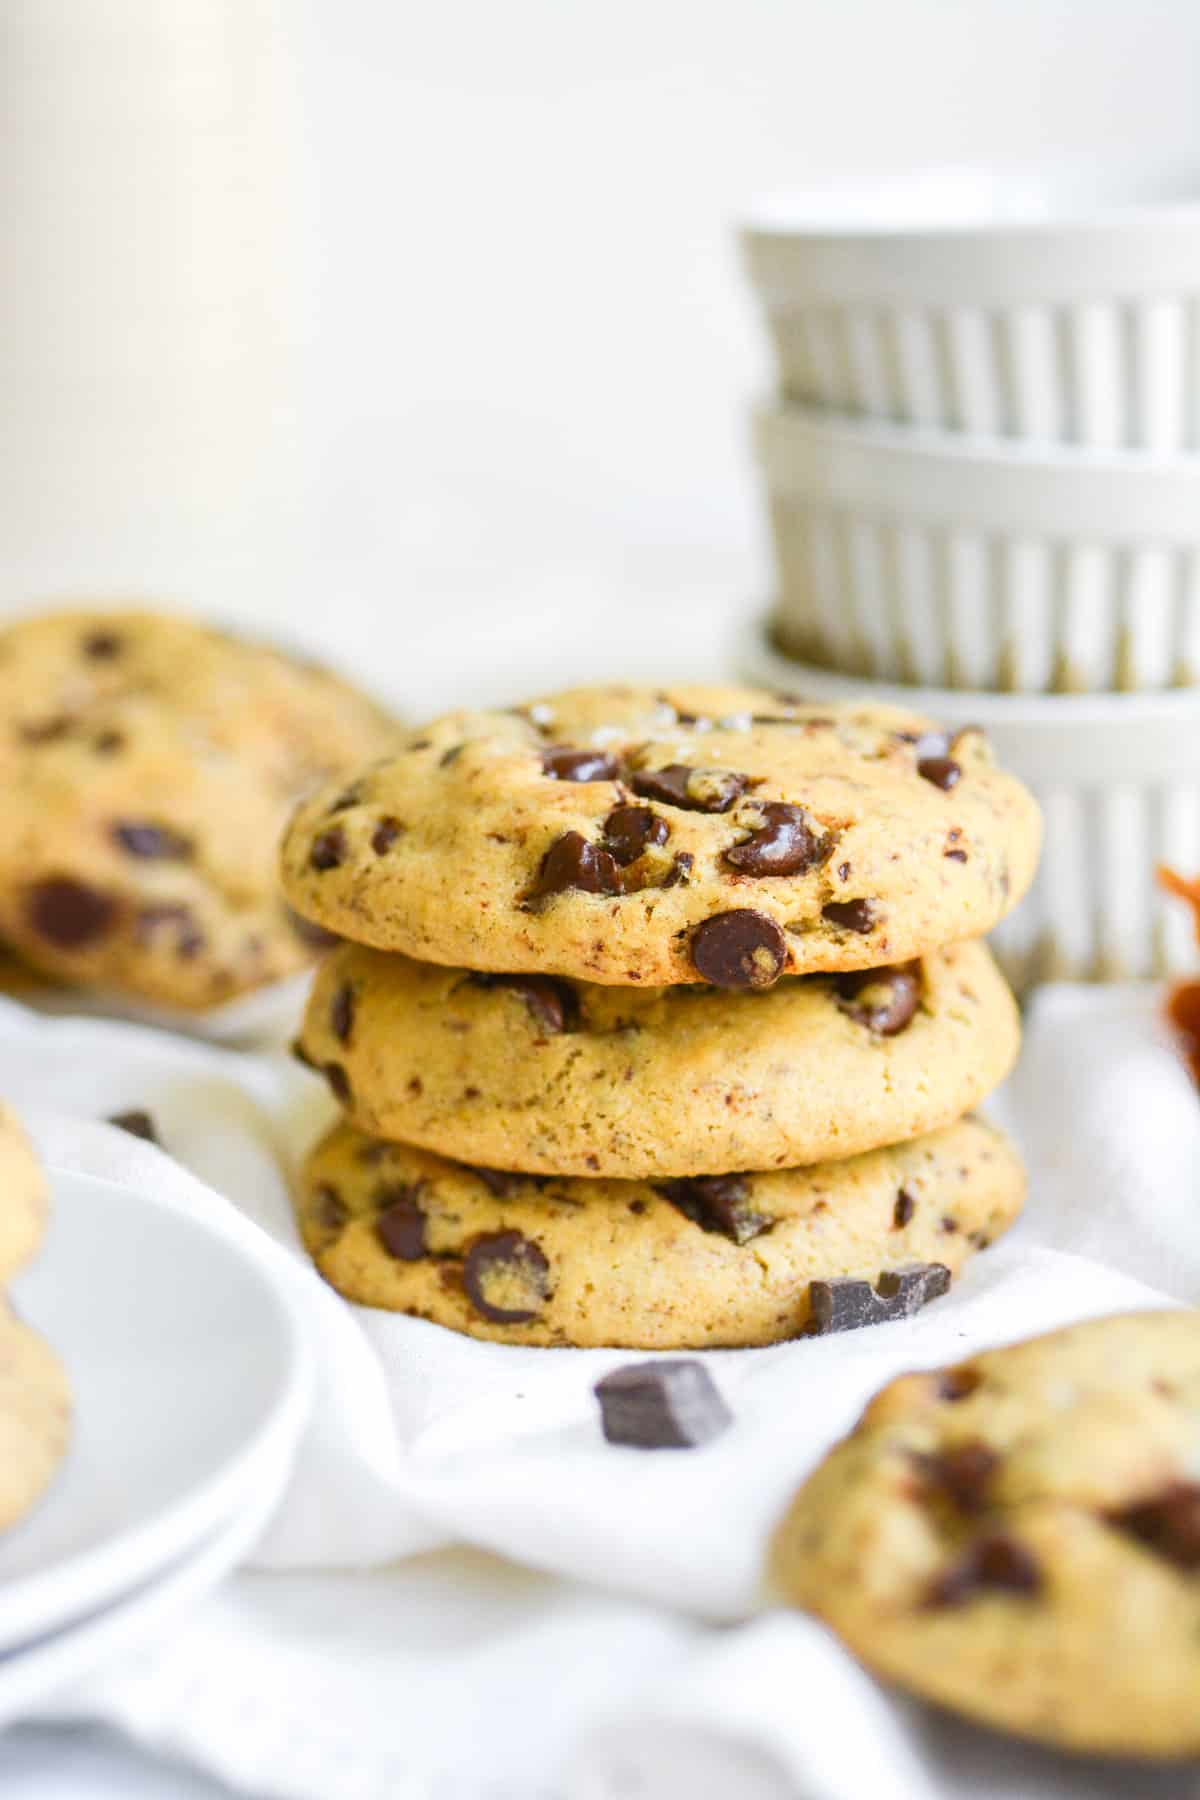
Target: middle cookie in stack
x,y
677,1165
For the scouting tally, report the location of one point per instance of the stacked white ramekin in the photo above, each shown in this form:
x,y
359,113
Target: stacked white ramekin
x,y
983,474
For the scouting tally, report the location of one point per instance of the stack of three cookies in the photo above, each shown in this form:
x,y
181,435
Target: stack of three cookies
x,y
660,1017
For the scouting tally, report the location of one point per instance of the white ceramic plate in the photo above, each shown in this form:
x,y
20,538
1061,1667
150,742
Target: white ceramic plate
x,y
189,1374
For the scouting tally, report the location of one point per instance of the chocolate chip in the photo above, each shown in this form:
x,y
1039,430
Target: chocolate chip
x,y
507,1267
740,949
341,1013
695,790
565,764
629,830
137,1123
385,835
718,1203
552,1004
957,1384
309,932
955,855
102,646
155,843
669,1404
680,871
400,1226
942,771
1168,1524
572,863
884,1000
904,1209
328,849
963,1474
851,915
68,913
846,1303
785,843
339,1083
993,1562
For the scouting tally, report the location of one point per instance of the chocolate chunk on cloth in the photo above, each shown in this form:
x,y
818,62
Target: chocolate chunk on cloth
x,y
846,1303
669,1404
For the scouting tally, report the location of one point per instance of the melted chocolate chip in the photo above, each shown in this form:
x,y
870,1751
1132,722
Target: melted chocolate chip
x,y
785,843
385,835
851,915
565,764
339,1083
328,849
962,1474
508,1267
695,790
155,843
552,1004
1168,1524
904,1209
668,1404
102,646
741,949
400,1226
629,830
884,1000
993,1562
680,871
942,771
341,1013
719,1203
847,1303
137,1123
572,863
68,913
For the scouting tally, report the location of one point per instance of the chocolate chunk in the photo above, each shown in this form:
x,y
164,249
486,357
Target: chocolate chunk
x,y
309,932
962,1474
680,871
341,1013
695,790
669,1404
718,1203
102,646
785,844
957,1384
1168,1524
68,913
339,1083
385,835
553,1004
328,849
155,843
628,830
942,771
993,1562
904,1209
851,915
846,1302
741,949
565,764
884,1000
572,863
501,1268
400,1226
137,1123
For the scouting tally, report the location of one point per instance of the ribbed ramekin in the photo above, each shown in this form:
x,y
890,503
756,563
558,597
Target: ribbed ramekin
x,y
923,557
1118,780
1059,304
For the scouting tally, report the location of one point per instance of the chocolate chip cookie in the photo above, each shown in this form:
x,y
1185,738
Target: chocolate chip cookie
x,y
22,1196
723,1260
619,835
148,766
561,1077
1018,1536
34,1417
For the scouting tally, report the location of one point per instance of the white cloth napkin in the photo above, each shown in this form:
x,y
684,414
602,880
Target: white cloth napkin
x,y
422,1438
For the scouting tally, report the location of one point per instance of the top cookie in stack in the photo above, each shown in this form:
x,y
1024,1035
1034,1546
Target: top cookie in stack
x,y
549,859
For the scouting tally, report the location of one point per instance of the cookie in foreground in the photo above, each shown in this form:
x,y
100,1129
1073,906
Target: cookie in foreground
x,y
1017,1536
681,1264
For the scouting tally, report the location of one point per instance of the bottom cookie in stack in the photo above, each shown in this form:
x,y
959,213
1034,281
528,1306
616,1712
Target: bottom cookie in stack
x,y
728,1260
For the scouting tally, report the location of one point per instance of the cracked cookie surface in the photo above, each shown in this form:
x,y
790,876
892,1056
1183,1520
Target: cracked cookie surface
x,y
633,836
726,1260
1018,1536
551,1076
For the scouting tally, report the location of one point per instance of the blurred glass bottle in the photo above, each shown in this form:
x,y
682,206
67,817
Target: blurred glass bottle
x,y
152,303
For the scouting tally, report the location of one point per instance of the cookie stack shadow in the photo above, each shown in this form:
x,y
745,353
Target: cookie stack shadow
x,y
659,1019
